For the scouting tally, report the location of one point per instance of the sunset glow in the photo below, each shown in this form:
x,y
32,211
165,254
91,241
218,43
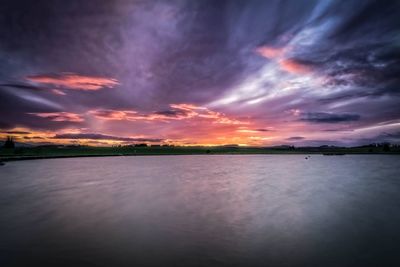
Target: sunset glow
x,y
73,81
198,74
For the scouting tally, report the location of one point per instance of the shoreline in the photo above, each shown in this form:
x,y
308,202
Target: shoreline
x,y
21,158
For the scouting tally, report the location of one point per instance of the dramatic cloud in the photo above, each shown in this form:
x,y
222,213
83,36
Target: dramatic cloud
x,y
321,117
59,116
244,72
393,137
95,136
14,132
270,52
74,81
177,112
20,86
294,66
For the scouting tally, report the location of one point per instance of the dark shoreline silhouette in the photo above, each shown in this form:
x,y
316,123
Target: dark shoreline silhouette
x,y
57,151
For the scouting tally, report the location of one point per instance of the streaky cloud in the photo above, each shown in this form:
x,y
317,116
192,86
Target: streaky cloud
x,y
97,136
324,117
74,81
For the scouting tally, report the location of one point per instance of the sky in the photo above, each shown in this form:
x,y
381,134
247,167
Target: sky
x,y
255,73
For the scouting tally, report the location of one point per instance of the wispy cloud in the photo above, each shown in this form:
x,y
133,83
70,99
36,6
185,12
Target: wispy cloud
x,y
322,70
97,136
74,81
15,132
59,116
323,117
270,52
176,112
294,66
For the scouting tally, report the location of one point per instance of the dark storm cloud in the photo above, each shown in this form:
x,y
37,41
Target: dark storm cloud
x,y
323,142
338,130
322,117
367,19
395,135
363,95
20,86
391,137
177,51
384,137
33,138
363,70
172,113
360,51
14,132
95,136
208,45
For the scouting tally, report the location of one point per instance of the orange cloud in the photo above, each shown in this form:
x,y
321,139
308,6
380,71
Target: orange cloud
x,y
177,112
128,115
59,116
74,81
213,134
195,131
293,66
118,115
203,112
278,54
33,136
270,52
25,134
186,106
186,124
71,136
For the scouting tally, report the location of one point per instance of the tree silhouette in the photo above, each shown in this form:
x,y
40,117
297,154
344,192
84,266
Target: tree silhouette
x,y
9,143
386,147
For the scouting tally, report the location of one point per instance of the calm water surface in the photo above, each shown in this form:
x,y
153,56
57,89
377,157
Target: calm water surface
x,y
250,210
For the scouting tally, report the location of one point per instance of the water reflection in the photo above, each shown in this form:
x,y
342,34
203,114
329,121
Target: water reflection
x,y
260,210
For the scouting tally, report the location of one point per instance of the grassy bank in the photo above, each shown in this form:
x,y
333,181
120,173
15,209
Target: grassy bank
x,y
85,151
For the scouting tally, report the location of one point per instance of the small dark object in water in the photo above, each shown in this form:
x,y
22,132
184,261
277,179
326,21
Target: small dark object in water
x,y
2,163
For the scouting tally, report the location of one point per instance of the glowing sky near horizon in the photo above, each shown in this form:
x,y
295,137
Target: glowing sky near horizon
x,y
200,72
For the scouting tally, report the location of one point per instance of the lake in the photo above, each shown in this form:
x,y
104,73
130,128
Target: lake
x,y
215,210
